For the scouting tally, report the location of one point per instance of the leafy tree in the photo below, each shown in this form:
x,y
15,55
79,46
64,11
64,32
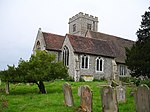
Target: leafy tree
x,y
7,76
41,67
138,57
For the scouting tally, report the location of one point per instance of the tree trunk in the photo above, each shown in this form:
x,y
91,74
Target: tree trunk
x,y
41,87
7,87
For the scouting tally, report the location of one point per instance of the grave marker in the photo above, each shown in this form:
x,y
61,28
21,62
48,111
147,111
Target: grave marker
x,y
86,98
142,99
121,93
109,100
68,97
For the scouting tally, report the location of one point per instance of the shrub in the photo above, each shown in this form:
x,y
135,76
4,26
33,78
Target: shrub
x,y
147,82
125,79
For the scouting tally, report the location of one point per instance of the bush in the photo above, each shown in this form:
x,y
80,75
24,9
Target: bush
x,y
125,79
147,82
69,78
3,103
99,80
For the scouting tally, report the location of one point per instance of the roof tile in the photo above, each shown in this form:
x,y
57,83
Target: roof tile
x,y
91,46
118,46
53,41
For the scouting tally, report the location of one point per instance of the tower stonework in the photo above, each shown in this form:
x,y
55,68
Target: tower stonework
x,y
80,23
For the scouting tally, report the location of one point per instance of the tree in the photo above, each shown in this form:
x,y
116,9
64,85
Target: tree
x,y
7,76
138,57
41,67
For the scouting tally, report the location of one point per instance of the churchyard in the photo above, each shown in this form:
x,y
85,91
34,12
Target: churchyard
x,y
25,98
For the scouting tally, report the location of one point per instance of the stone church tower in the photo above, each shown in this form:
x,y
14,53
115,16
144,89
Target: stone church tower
x,y
80,23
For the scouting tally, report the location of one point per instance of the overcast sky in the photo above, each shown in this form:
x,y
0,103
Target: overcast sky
x,y
21,19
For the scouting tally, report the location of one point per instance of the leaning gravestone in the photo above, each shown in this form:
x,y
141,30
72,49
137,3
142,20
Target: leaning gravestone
x,y
109,100
68,97
85,98
142,99
121,93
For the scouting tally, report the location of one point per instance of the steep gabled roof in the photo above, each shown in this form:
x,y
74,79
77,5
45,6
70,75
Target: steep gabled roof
x,y
91,46
53,41
118,46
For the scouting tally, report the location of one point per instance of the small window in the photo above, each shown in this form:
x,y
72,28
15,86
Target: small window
x,y
74,27
122,70
89,26
38,46
99,64
66,56
84,61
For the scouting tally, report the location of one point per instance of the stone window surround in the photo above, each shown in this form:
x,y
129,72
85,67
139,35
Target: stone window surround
x,y
89,26
74,28
101,64
122,70
66,56
38,45
85,61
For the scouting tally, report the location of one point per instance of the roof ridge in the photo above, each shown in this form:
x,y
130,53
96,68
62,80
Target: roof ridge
x,y
87,37
113,36
53,34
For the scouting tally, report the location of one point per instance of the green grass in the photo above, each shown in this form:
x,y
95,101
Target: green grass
x,y
25,98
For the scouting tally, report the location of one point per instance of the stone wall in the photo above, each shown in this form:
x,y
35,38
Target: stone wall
x,y
107,72
41,40
57,54
71,66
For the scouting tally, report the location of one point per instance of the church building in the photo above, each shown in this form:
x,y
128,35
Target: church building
x,y
87,53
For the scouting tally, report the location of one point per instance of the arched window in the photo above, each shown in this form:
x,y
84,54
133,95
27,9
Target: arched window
x,y
66,56
99,64
38,46
84,61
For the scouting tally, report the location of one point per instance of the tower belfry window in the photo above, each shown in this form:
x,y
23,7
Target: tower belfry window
x,y
74,27
89,26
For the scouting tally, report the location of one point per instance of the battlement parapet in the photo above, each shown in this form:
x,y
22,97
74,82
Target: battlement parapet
x,y
83,15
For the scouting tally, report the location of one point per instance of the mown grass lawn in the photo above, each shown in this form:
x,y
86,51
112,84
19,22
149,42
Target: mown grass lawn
x,y
25,98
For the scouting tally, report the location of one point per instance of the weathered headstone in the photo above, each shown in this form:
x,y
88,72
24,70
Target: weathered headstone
x,y
115,75
142,99
68,97
7,87
79,91
109,100
86,98
0,82
121,93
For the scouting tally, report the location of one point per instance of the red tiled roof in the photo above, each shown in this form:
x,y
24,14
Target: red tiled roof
x,y
119,44
53,41
90,46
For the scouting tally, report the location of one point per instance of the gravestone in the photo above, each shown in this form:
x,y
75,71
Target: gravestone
x,y
115,75
109,100
85,98
121,93
142,99
68,97
79,91
7,87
